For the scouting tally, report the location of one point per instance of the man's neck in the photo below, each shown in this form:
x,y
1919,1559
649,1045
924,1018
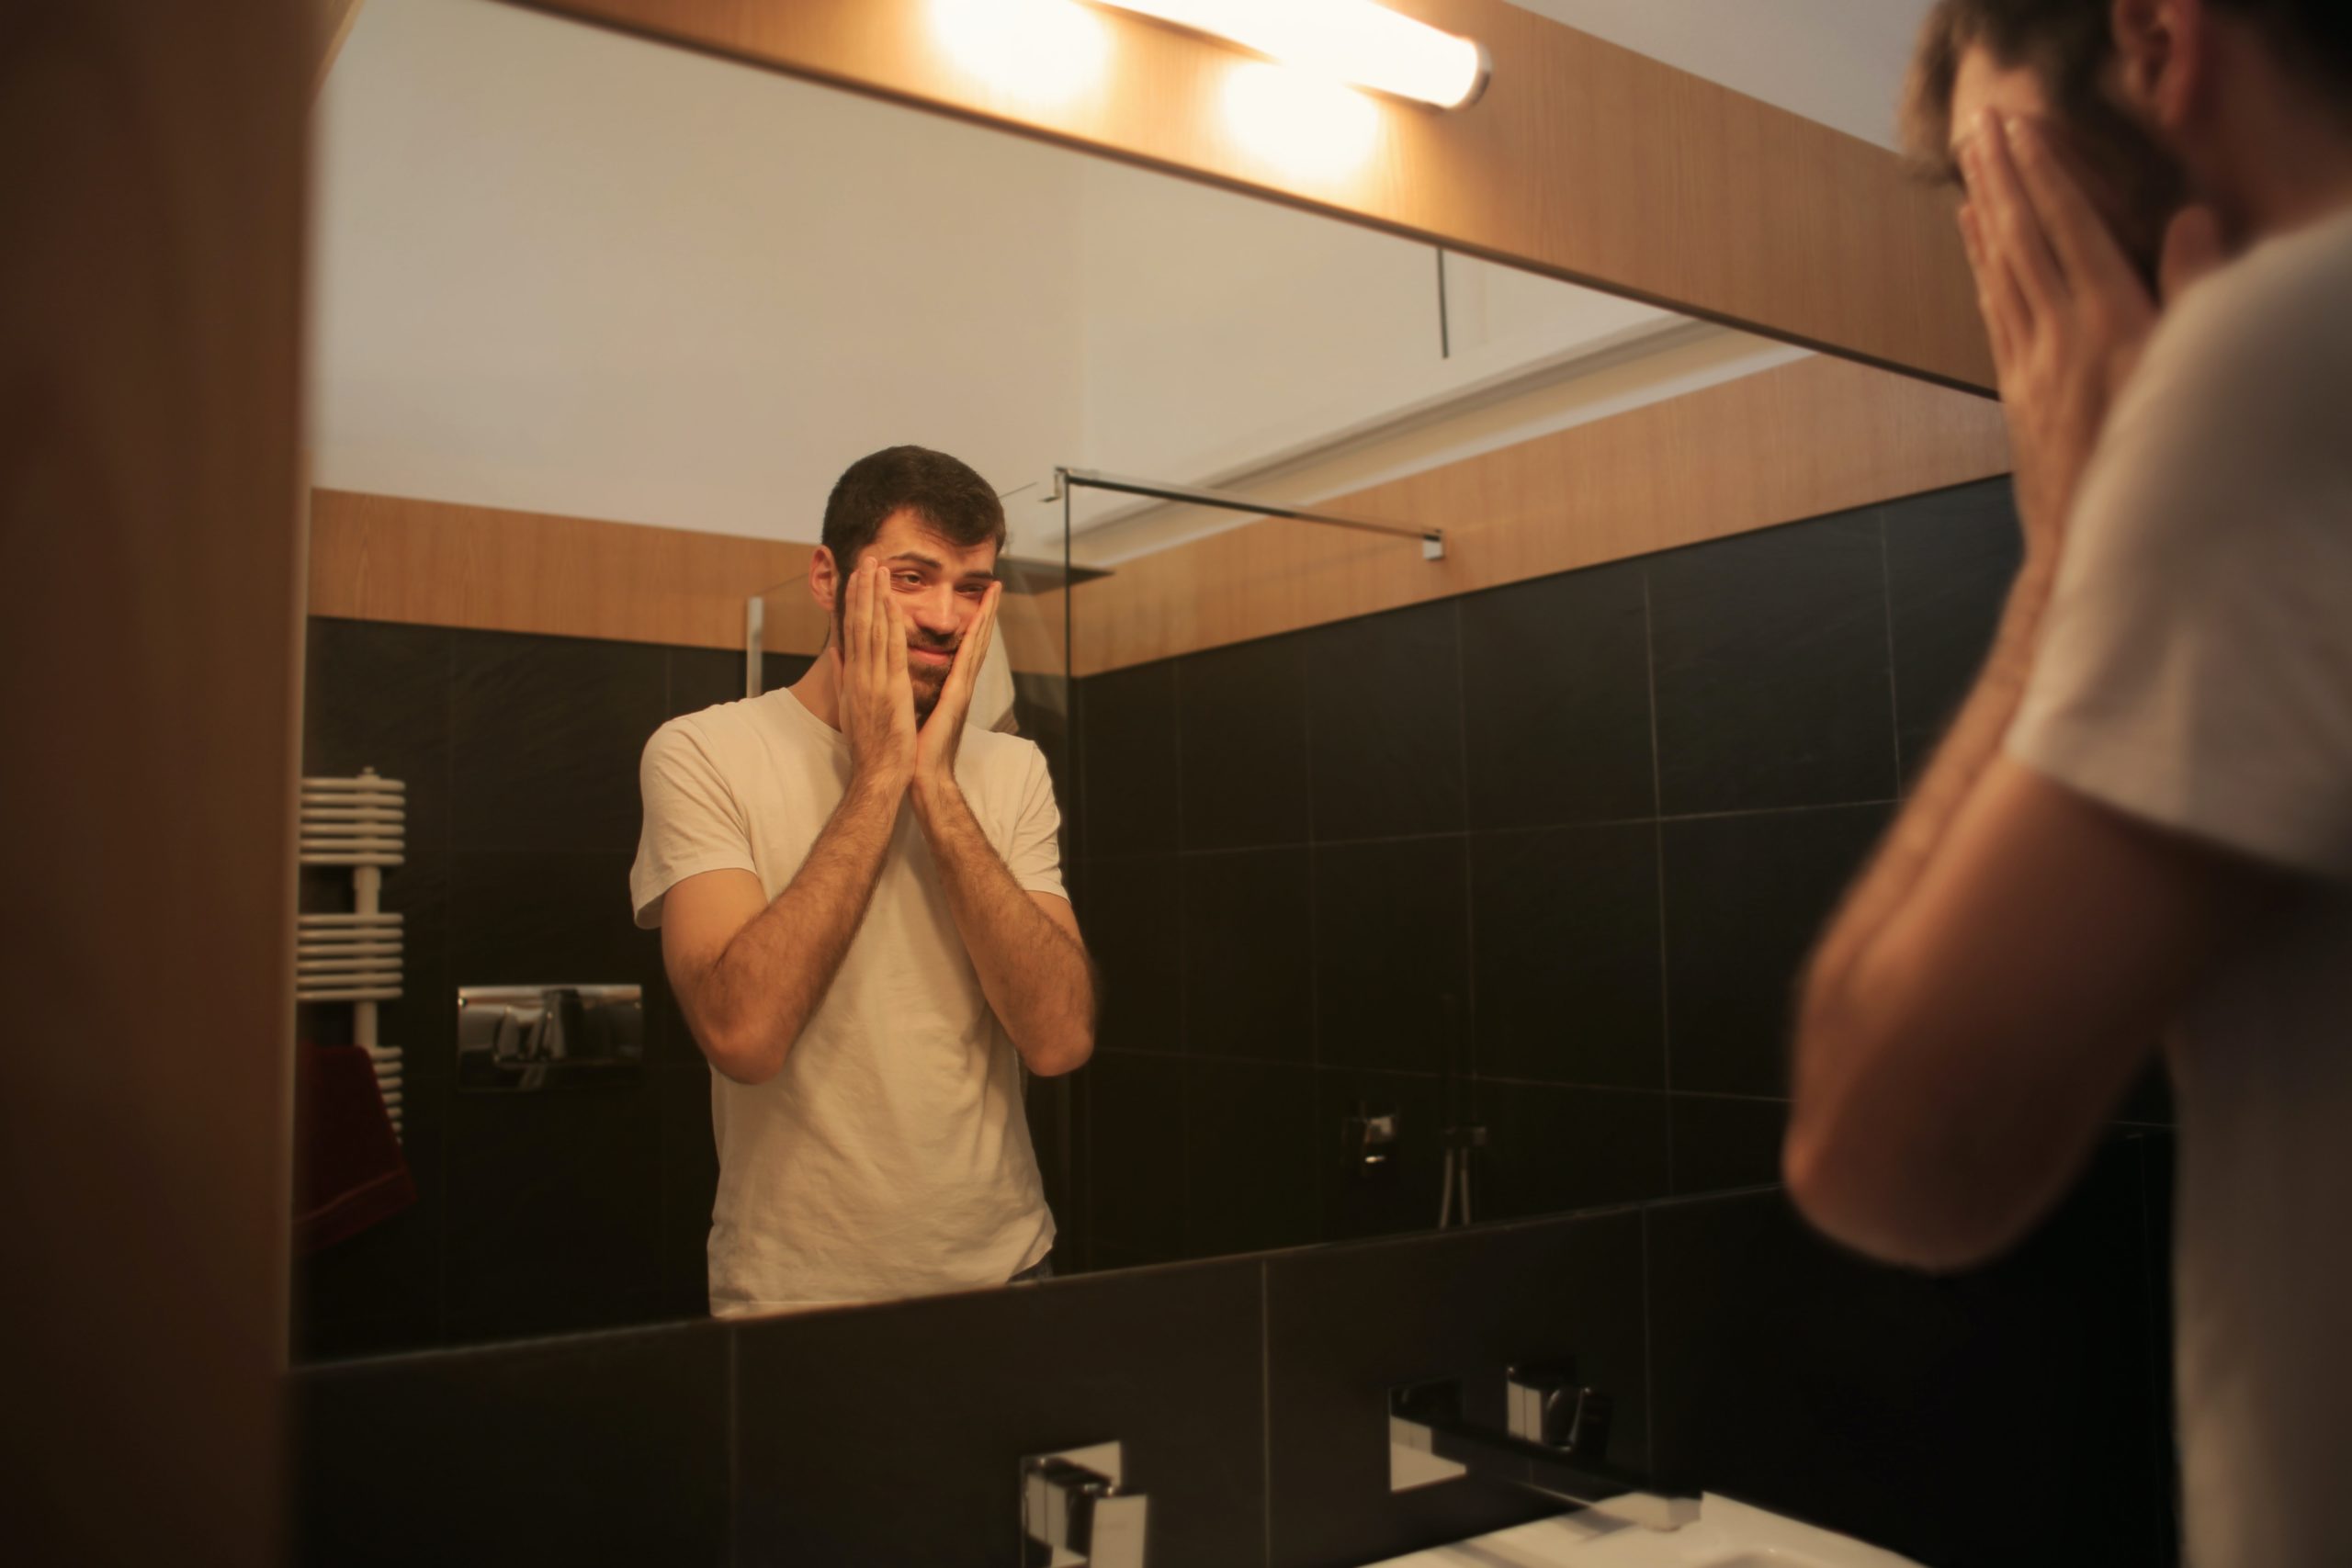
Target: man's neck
x,y
820,691
2287,156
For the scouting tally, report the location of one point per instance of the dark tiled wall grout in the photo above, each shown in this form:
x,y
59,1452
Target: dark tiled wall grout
x,y
1266,1416
1665,960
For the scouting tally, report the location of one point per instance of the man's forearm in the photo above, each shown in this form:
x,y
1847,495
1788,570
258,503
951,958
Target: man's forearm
x,y
768,982
1973,740
1035,974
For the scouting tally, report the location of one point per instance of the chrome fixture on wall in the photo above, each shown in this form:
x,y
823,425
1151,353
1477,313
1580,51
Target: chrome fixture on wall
x,y
517,1039
1555,1444
1067,480
1073,1505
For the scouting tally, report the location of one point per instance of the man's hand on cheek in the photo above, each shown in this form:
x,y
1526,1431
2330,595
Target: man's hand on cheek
x,y
942,732
2066,311
877,700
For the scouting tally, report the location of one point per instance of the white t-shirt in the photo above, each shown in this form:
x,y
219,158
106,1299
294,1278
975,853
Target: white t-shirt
x,y
890,1156
2196,672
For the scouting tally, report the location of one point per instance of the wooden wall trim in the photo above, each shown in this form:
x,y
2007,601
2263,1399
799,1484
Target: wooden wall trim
x,y
1584,161
1817,436
153,160
385,558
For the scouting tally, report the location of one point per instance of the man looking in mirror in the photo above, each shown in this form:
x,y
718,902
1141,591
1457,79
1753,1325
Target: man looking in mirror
x,y
2141,822
861,915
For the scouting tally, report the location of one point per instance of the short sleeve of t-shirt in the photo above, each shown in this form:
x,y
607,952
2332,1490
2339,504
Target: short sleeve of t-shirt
x,y
2196,662
693,821
1034,855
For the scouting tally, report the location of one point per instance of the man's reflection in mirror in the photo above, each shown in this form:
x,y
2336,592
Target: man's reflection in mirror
x,y
859,891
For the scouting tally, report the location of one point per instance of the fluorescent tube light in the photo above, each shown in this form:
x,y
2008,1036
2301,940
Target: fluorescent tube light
x,y
1357,41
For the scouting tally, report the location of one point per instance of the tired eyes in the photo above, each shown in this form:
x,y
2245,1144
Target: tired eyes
x,y
910,580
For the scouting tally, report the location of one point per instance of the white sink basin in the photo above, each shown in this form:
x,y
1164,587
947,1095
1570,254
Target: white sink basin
x,y
1728,1534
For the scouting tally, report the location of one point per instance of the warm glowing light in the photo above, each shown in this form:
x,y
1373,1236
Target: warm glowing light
x,y
1040,51
1355,42
1308,126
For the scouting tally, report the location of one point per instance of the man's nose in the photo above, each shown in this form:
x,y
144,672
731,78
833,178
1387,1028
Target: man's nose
x,y
936,612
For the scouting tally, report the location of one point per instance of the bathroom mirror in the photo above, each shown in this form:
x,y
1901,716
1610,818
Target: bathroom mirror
x,y
1431,882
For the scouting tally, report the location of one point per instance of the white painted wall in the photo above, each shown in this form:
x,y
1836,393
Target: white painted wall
x,y
567,271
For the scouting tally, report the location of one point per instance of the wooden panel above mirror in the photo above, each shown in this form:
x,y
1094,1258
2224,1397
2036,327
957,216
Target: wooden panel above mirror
x,y
1583,161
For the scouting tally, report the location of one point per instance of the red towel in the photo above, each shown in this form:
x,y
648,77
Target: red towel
x,y
348,1173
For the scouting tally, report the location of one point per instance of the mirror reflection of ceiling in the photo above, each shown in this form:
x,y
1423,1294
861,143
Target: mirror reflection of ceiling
x,y
560,270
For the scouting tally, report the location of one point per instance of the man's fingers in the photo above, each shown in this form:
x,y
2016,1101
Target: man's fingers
x,y
856,635
2007,316
2013,233
894,629
1996,326
2084,246
973,650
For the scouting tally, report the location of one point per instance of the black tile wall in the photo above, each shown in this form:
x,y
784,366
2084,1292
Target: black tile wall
x,y
1250,787
957,1390
1250,1167
1721,1142
1130,914
545,738
554,1210
1383,699
688,1163
1392,962
2013,1416
1771,652
534,1214
698,678
1550,1149
1136,1156
1127,724
1950,556
609,1449
2008,1416
1745,896
1607,938
1556,700
1566,924
1248,970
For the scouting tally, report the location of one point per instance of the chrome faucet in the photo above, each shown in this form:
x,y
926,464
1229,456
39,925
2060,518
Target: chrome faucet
x,y
1072,1504
1555,1444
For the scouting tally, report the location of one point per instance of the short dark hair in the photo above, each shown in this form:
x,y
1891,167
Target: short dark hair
x,y
945,493
2068,44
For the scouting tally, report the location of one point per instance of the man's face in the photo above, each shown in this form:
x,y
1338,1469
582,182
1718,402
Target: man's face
x,y
937,586
2134,182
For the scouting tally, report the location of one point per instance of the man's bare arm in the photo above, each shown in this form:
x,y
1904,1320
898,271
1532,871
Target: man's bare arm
x,y
749,974
1998,971
1032,963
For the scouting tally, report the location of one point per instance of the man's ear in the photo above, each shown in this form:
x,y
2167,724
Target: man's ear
x,y
2162,49
824,579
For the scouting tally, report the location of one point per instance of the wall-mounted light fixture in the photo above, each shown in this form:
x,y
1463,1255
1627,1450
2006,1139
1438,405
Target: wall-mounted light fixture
x,y
1356,41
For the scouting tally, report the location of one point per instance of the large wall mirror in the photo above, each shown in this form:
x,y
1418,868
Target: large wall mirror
x,y
1429,887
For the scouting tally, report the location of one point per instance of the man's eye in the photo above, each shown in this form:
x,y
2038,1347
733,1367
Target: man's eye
x,y
908,580
975,591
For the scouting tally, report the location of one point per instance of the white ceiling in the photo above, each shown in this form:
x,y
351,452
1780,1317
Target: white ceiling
x,y
1838,62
